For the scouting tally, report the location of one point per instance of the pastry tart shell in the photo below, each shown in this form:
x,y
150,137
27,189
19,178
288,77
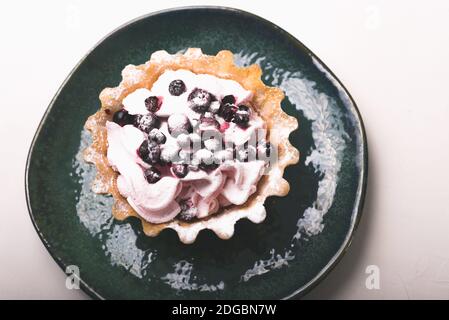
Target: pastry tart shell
x,y
267,103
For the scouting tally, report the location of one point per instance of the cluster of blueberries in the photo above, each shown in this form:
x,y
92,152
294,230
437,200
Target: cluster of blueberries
x,y
210,152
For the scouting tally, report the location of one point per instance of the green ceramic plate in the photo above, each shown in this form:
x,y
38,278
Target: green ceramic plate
x,y
305,232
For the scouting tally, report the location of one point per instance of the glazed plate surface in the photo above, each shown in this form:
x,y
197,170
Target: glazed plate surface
x,y
304,234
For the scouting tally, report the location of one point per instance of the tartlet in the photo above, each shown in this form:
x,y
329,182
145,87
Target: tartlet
x,y
123,115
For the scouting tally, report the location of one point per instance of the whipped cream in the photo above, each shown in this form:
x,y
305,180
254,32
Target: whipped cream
x,y
232,182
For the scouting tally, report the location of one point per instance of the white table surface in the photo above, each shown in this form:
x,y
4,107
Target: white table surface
x,y
392,57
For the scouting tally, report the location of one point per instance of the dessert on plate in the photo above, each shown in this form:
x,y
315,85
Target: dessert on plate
x,y
190,142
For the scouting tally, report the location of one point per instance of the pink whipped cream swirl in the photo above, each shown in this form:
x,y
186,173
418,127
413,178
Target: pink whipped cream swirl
x,y
231,182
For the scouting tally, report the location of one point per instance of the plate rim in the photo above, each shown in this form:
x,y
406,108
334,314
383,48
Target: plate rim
x,y
363,180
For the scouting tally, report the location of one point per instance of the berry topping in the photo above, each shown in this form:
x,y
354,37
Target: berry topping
x,y
212,144
208,122
147,122
224,126
180,170
150,152
228,99
157,136
204,155
200,100
122,118
152,104
185,156
178,123
206,159
152,174
183,140
227,111
208,167
241,117
195,141
143,149
169,153
188,211
177,87
223,155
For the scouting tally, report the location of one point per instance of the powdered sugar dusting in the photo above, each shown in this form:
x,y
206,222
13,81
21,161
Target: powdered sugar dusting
x,y
122,249
181,279
276,261
329,138
132,74
94,210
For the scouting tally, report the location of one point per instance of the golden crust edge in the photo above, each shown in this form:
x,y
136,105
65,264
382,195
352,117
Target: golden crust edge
x,y
266,99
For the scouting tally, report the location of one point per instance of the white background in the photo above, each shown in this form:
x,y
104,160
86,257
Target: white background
x,y
392,56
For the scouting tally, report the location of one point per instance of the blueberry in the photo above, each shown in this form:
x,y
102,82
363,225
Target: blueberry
x,y
157,136
122,118
188,211
185,156
204,156
183,140
208,167
177,87
152,174
180,170
147,122
143,149
212,144
200,100
243,108
228,99
206,159
152,104
195,141
241,117
227,111
169,153
150,152
179,123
